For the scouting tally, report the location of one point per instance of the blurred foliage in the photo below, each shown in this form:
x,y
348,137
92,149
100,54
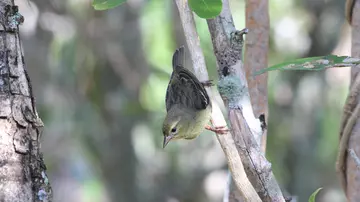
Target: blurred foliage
x,y
106,4
206,8
313,63
312,197
100,78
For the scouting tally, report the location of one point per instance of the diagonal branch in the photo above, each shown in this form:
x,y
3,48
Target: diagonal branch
x,y
226,141
228,44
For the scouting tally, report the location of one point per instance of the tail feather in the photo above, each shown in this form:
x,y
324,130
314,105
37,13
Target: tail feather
x,y
179,57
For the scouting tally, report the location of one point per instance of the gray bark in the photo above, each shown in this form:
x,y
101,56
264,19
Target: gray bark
x,y
228,44
22,170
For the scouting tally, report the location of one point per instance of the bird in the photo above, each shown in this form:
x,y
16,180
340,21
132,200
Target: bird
x,y
188,105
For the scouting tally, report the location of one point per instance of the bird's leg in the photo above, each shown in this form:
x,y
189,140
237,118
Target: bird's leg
x,y
207,83
219,129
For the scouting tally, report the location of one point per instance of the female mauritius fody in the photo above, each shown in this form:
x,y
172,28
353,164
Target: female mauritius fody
x,y
188,105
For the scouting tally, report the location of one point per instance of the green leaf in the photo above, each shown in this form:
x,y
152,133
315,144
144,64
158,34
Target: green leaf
x,y
313,195
314,63
206,8
106,4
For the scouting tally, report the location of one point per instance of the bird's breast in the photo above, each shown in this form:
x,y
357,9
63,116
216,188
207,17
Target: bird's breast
x,y
201,119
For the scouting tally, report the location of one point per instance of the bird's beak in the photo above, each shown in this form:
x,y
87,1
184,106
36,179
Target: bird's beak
x,y
167,140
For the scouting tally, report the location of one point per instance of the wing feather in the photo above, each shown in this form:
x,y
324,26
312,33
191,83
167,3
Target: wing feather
x,y
184,88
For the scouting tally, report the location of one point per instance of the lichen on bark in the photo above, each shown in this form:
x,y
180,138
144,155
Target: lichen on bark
x,y
22,169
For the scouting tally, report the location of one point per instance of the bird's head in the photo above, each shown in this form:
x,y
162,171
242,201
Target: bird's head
x,y
174,128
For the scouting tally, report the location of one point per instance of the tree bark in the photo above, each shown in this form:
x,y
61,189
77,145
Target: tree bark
x,y
228,44
348,162
256,59
22,169
352,163
227,143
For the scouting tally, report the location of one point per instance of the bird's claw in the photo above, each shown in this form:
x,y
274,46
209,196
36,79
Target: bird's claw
x,y
222,130
207,83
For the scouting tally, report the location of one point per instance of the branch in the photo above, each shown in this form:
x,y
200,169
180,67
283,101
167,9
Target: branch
x,y
349,5
355,158
346,164
350,116
226,141
257,47
228,44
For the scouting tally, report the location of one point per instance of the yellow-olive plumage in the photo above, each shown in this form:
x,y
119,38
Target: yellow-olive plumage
x,y
188,105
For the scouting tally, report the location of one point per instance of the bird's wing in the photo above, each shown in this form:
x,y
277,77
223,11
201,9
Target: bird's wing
x,y
169,92
185,89
178,59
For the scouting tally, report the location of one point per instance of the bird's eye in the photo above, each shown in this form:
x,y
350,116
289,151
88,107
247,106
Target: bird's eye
x,y
173,130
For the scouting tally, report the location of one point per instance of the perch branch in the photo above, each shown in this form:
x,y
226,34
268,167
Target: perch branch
x,y
228,44
226,141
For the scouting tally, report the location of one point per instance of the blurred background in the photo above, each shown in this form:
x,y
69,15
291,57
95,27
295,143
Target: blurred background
x,y
100,78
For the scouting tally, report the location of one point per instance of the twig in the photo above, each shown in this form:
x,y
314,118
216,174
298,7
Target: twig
x,y
227,43
355,157
227,188
226,141
348,122
349,5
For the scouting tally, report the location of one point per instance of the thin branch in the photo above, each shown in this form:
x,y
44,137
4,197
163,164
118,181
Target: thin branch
x,y
350,126
354,157
228,44
350,116
226,141
349,5
227,188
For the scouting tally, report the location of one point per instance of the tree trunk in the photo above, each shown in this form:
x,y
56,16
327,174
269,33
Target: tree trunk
x,y
255,59
22,170
349,150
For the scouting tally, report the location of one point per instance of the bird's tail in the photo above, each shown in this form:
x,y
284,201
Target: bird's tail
x,y
179,57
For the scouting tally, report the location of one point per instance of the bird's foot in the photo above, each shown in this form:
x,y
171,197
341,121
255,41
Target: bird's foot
x,y
207,83
222,130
